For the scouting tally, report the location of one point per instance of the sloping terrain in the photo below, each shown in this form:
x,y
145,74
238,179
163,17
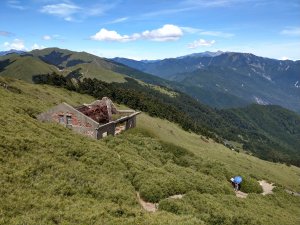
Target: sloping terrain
x,y
257,138
24,67
269,132
50,175
240,77
60,61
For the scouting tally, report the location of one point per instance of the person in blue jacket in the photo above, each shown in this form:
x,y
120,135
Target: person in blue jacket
x,y
236,183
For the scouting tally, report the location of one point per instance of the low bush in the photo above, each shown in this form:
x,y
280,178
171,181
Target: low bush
x,y
250,185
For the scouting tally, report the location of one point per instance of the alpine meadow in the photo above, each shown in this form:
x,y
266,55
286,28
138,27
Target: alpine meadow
x,y
150,112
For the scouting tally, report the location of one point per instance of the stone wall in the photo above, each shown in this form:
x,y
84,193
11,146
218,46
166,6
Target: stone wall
x,y
71,118
77,121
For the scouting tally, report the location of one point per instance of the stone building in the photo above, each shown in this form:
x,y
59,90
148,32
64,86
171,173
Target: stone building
x,y
97,119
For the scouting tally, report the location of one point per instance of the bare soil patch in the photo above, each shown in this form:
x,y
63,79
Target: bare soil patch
x,y
267,187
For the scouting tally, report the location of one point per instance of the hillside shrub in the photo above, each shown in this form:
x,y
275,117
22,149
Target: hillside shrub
x,y
250,185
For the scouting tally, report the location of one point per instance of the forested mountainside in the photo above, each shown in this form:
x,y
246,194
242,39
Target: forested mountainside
x,y
269,132
50,175
160,98
241,77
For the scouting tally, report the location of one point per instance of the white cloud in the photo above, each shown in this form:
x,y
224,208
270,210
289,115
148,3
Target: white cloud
x,y
168,32
36,46
217,34
192,30
214,3
47,37
291,31
70,11
55,37
16,44
64,10
111,35
15,4
200,43
119,20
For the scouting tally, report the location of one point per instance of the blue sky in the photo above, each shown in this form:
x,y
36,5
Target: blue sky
x,y
153,29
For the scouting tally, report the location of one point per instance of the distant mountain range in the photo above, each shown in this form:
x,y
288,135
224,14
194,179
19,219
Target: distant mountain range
x,y
11,52
229,79
218,79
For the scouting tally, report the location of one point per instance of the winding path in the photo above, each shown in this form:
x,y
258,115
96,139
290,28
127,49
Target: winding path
x,y
267,187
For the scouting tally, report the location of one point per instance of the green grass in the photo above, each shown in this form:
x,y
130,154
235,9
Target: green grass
x,y
50,175
240,163
24,67
92,70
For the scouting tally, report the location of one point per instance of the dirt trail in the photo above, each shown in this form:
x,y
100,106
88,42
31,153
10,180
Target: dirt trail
x,y
267,187
148,206
241,194
293,193
176,196
153,207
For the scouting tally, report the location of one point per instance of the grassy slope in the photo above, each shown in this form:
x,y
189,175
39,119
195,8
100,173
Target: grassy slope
x,y
49,175
24,67
92,70
91,67
238,162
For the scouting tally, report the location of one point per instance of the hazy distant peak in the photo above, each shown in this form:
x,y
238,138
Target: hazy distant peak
x,y
203,54
11,51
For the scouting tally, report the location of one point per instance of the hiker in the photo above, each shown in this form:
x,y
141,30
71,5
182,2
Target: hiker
x,y
236,183
232,182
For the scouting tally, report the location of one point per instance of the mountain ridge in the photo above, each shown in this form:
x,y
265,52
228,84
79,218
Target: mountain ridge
x,y
243,75
12,51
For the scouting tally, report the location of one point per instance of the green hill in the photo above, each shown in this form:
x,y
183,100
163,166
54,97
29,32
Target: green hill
x,y
50,175
252,127
57,60
158,97
24,67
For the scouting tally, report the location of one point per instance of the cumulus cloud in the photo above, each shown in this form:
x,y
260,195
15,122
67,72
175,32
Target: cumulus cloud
x,y
16,44
201,43
291,31
111,35
168,32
